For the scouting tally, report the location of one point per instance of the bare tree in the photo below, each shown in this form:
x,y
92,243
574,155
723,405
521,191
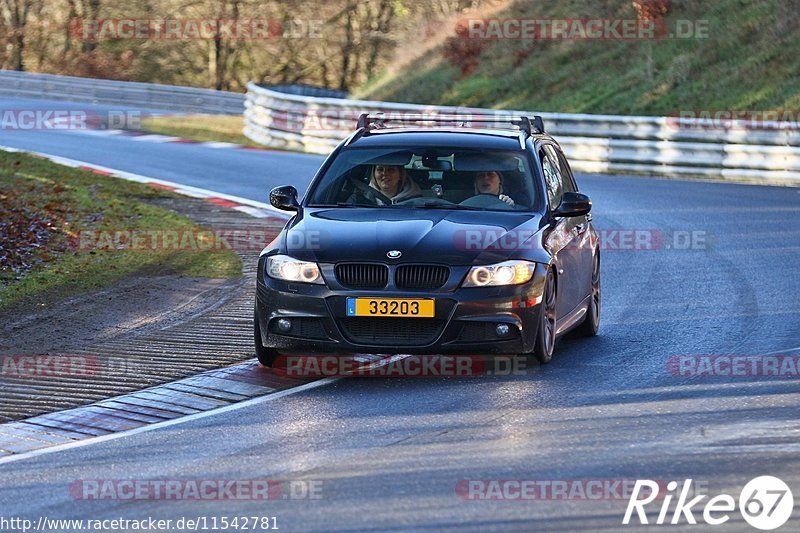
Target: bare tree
x,y
15,17
351,40
81,9
380,27
348,47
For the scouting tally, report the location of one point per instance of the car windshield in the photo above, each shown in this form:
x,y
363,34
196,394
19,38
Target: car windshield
x,y
427,178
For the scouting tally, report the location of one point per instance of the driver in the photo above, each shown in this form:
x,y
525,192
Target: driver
x,y
491,182
393,181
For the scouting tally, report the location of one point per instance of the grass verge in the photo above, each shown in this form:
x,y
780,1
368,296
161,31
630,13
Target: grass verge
x,y
44,210
216,128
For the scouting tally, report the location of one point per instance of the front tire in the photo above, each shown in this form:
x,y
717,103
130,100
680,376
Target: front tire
x,y
546,334
591,323
266,356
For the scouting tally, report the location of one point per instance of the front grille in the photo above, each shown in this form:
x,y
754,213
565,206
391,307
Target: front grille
x,y
362,275
392,331
425,277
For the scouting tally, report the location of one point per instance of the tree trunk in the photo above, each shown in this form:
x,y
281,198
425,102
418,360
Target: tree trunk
x,y
92,12
17,60
213,62
379,35
16,15
348,46
72,18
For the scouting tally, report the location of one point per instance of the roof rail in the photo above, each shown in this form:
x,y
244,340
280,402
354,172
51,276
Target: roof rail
x,y
356,134
380,120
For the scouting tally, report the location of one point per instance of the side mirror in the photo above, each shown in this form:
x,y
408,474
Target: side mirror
x,y
285,198
573,204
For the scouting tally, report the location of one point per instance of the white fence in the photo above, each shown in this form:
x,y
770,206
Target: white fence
x,y
593,143
120,93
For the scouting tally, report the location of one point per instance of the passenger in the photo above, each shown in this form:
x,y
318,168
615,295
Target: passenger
x,y
491,183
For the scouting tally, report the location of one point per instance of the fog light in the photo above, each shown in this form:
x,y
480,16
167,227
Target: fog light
x,y
284,325
501,330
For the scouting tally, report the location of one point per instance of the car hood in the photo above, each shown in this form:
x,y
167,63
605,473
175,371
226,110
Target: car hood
x,y
441,236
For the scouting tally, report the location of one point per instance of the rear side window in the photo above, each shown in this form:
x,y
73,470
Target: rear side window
x,y
567,179
552,176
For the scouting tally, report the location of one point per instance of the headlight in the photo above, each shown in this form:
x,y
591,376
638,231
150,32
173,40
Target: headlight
x,y
505,273
288,269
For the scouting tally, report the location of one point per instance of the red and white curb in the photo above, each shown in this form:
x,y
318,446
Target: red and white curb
x,y
207,394
245,205
144,136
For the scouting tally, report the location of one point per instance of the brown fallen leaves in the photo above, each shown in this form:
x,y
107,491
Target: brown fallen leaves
x,y
29,231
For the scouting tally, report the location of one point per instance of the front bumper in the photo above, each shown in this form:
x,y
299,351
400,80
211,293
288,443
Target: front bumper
x,y
464,322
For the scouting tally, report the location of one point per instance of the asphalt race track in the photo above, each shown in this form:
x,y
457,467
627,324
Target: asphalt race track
x,y
715,274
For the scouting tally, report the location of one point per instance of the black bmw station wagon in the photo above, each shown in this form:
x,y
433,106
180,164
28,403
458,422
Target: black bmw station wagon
x,y
429,235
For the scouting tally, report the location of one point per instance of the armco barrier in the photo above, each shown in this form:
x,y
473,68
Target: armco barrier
x,y
121,93
593,143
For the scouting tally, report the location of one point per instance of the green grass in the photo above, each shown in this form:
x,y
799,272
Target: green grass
x,y
749,61
218,128
77,201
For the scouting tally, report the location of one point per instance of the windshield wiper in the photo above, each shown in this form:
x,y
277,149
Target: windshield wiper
x,y
449,206
352,204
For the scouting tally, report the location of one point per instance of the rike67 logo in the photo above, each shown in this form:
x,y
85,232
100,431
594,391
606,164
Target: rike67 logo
x,y
765,503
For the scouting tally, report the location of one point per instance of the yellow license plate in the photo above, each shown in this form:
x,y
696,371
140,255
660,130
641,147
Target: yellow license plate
x,y
390,307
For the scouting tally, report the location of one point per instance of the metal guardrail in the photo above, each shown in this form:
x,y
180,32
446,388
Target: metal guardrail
x,y
594,143
306,90
121,93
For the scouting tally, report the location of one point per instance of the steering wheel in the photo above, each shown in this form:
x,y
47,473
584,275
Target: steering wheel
x,y
370,193
485,201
